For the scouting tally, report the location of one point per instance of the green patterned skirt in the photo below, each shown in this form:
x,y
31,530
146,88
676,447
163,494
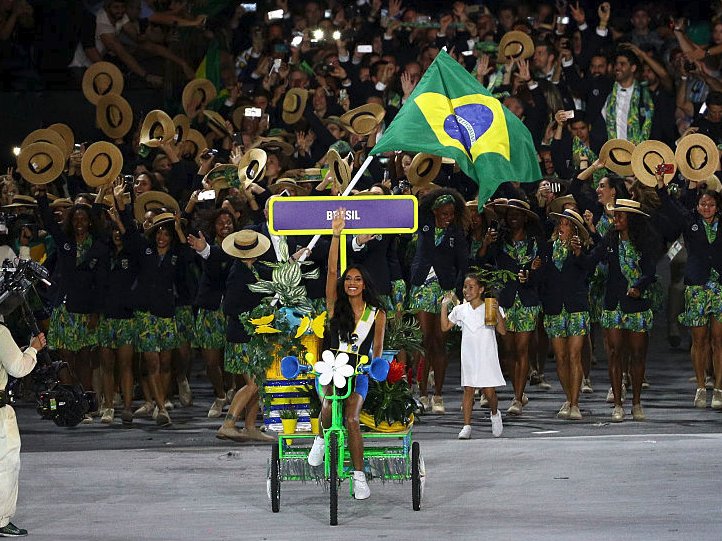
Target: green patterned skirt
x,y
427,297
185,325
155,334
520,318
702,303
564,324
634,321
235,360
70,331
210,331
114,333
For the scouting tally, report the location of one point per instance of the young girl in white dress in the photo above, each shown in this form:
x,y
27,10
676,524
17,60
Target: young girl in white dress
x,y
479,354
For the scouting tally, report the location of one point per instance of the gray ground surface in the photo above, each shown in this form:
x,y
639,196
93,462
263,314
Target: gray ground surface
x,y
544,479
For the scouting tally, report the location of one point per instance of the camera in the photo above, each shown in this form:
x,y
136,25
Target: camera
x,y
17,280
563,20
690,66
401,188
63,403
211,152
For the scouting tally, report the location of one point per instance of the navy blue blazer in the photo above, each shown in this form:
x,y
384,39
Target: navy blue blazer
x,y
566,288
239,299
81,283
212,284
702,256
154,290
528,291
617,285
380,259
449,258
118,297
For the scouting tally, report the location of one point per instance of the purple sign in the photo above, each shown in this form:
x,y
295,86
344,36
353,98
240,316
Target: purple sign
x,y
364,214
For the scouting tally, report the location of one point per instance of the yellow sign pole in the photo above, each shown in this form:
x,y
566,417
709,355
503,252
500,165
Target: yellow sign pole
x,y
342,252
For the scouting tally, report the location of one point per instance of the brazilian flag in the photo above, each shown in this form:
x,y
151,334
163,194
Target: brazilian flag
x,y
450,114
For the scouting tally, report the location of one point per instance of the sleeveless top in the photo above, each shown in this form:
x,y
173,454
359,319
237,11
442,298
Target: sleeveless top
x,y
361,339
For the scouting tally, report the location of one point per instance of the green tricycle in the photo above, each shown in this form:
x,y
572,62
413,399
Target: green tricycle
x,y
391,455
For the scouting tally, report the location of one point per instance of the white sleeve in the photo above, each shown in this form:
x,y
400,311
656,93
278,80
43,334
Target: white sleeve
x,y
355,245
16,363
205,252
456,316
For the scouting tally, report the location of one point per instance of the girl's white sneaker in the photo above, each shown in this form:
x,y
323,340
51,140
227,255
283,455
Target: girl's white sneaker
x,y
465,433
497,427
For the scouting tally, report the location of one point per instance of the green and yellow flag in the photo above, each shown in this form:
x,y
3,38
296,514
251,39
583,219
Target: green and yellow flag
x,y
450,114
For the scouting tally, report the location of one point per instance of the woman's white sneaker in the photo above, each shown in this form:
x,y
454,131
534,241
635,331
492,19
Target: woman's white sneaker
x,y
316,454
465,433
361,489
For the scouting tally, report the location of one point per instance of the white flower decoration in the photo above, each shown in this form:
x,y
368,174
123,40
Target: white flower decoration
x,y
333,368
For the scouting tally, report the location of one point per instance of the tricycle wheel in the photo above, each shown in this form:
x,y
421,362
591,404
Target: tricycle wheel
x,y
416,488
275,479
333,477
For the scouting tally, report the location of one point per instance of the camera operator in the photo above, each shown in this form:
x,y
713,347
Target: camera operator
x,y
17,364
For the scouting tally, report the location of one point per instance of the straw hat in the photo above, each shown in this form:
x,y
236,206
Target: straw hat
x,y
153,200
114,116
41,162
333,120
288,183
101,79
274,144
252,166
713,183
197,94
101,164
198,142
487,209
340,169
363,120
312,174
19,201
697,157
223,171
616,154
424,169
164,218
216,122
246,244
67,134
626,205
157,128
647,156
294,102
557,204
61,202
515,44
45,135
501,206
576,220
182,126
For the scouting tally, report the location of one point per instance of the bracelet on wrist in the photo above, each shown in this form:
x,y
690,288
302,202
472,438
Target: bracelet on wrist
x,y
337,236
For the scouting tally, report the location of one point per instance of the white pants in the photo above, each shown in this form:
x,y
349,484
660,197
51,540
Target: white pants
x,y
9,464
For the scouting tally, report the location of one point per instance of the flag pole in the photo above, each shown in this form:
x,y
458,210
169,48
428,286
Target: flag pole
x,y
347,191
